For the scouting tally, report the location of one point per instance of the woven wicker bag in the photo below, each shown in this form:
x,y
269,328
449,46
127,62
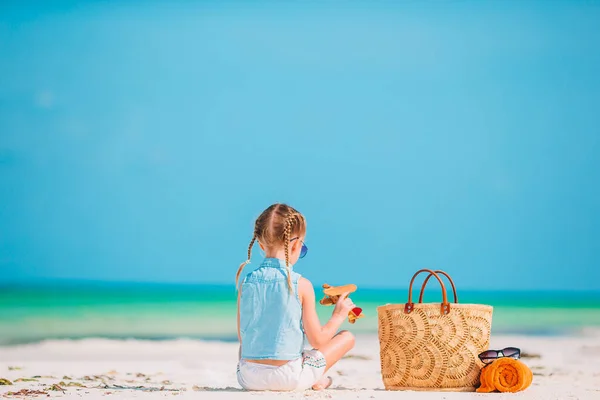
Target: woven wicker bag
x,y
432,346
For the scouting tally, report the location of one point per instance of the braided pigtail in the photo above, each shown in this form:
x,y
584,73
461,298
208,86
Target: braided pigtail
x,y
242,265
287,230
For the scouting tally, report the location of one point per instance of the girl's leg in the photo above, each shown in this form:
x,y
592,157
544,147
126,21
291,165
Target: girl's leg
x,y
339,345
333,351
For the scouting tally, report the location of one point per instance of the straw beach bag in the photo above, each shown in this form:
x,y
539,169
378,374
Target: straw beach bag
x,y
432,346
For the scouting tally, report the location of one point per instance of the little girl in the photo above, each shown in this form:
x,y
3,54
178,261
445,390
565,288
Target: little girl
x,y
276,311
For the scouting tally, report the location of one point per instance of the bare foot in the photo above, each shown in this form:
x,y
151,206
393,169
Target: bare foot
x,y
323,383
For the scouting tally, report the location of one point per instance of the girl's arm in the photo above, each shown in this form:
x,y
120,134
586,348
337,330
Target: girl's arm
x,y
316,334
238,323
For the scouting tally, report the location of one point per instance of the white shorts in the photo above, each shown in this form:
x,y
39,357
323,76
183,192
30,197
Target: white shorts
x,y
298,374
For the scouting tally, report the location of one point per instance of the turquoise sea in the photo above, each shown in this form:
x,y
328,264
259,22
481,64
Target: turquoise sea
x,y
166,311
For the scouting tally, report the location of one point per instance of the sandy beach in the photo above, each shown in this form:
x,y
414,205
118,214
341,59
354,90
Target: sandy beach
x,y
563,367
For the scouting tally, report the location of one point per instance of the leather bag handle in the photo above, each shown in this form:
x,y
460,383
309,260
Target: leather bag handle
x,y
445,306
438,271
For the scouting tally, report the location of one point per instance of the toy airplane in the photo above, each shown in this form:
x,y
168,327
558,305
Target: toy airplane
x,y
333,293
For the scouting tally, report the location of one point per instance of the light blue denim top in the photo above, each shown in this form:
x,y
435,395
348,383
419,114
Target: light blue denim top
x,y
270,316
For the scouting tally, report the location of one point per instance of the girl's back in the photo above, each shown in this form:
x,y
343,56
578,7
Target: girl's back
x,y
271,316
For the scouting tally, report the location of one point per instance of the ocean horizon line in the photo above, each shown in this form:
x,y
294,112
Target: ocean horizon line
x,y
46,283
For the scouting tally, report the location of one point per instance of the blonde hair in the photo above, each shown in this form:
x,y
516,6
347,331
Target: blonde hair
x,y
275,227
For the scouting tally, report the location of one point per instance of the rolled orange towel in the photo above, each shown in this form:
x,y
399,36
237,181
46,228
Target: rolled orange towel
x,y
505,375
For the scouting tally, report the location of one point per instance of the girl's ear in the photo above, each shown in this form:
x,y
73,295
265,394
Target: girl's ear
x,y
296,244
261,246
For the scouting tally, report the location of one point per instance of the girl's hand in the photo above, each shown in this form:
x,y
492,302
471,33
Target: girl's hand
x,y
343,305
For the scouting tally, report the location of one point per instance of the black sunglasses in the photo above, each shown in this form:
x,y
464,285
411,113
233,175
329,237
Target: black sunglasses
x,y
303,250
489,356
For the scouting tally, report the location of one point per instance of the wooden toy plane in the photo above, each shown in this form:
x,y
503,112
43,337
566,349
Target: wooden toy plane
x,y
333,293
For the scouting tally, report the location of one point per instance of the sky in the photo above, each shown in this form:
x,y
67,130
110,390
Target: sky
x,y
140,140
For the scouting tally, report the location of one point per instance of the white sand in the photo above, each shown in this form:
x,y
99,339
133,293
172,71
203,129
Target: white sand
x,y
568,368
